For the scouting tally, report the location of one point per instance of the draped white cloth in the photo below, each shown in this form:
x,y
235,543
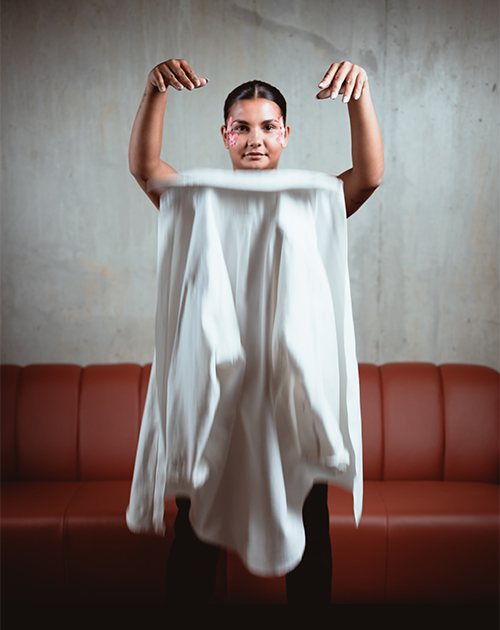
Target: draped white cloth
x,y
254,391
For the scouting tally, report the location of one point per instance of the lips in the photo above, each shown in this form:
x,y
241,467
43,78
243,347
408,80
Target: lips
x,y
254,154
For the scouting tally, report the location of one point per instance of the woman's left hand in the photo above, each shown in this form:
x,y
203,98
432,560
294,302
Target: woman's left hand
x,y
343,78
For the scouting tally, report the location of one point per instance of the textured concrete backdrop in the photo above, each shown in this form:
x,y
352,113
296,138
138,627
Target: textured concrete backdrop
x,y
79,236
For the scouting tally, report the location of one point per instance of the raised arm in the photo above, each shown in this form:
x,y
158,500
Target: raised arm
x,y
367,170
147,133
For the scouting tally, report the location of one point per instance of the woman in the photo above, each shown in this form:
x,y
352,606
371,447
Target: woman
x,y
345,79
255,133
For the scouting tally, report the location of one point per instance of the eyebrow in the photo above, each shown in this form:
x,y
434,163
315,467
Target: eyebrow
x,y
263,122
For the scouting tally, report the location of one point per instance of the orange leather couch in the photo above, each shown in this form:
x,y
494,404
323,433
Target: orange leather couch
x,y
430,525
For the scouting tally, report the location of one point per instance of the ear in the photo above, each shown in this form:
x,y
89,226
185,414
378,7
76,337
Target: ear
x,y
287,135
223,132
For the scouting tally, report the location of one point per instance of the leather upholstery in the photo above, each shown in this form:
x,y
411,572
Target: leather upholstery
x,y
372,425
47,422
471,423
9,393
109,421
430,525
413,422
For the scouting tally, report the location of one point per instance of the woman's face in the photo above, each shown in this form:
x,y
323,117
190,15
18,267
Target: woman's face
x,y
255,134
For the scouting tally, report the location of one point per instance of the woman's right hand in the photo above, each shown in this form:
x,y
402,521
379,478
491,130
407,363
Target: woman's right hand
x,y
177,73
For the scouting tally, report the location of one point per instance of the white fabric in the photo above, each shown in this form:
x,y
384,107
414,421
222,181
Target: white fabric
x,y
254,392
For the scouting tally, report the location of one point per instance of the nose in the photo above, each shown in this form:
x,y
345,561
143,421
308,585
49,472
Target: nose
x,y
255,139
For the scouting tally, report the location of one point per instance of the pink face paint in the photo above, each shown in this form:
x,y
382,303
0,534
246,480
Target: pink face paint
x,y
281,135
232,137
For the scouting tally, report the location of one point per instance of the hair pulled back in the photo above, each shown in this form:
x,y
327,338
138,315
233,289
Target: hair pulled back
x,y
255,89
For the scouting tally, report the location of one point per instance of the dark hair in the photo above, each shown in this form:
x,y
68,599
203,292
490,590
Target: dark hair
x,y
255,89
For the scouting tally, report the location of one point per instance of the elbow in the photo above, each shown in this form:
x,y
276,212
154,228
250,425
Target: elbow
x,y
374,181
139,174
378,175
371,186
370,178
139,167
134,168
377,181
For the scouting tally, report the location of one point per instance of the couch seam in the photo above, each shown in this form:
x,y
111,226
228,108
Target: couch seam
x,y
20,379
139,391
386,543
64,539
443,419
382,416
382,413
77,445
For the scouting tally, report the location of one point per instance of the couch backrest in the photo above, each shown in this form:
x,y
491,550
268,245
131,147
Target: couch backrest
x,y
420,421
66,422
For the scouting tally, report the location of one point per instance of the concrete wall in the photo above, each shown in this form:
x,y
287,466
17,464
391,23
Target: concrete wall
x,y
79,236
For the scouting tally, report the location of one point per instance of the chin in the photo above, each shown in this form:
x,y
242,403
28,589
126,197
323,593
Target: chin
x,y
255,166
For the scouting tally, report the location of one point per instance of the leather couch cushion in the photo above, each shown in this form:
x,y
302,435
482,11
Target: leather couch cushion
x,y
358,556
471,421
413,421
47,422
442,541
372,427
69,541
105,561
418,541
33,562
109,421
9,380
143,388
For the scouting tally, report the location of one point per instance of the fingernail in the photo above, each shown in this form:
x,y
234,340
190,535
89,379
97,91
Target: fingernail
x,y
197,83
334,95
162,88
345,99
322,84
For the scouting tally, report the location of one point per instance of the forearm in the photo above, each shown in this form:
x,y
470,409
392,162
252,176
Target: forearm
x,y
366,144
147,134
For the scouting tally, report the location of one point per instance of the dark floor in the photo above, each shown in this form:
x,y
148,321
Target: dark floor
x,y
21,615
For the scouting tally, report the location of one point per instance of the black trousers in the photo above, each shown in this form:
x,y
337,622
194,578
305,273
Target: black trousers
x,y
191,565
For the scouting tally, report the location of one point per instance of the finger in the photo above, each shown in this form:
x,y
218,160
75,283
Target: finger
x,y
157,80
169,77
354,84
337,85
360,84
327,79
349,84
324,93
175,65
191,74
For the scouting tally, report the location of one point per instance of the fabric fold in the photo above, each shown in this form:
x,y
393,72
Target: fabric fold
x,y
304,349
254,391
207,341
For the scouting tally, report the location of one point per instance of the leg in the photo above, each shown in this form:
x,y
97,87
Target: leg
x,y
311,581
191,564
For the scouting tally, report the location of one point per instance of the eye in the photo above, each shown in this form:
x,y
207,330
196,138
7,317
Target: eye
x,y
241,128
270,127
